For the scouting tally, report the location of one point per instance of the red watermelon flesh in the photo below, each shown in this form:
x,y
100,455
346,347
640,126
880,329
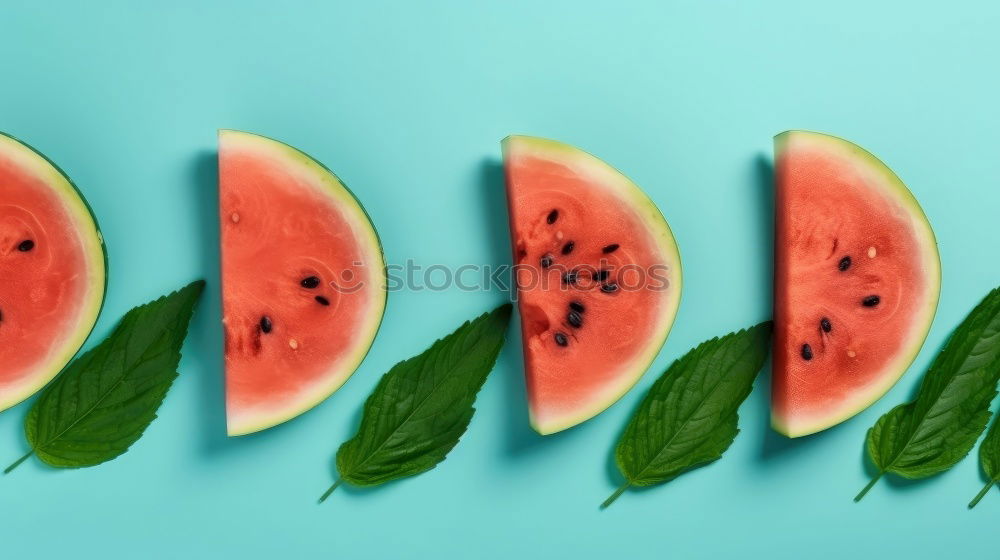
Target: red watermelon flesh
x,y
857,279
303,281
52,264
598,278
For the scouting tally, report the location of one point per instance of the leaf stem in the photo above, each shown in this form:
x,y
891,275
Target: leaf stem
x,y
868,486
621,490
330,490
19,461
982,493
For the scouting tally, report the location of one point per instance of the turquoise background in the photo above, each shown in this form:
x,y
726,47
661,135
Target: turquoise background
x,y
407,101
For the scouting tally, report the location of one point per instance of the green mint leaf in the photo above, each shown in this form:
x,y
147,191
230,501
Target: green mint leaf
x,y
689,417
937,429
422,406
103,402
989,458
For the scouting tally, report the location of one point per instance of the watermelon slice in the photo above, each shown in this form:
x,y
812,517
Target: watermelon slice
x,y
303,281
598,279
856,283
54,271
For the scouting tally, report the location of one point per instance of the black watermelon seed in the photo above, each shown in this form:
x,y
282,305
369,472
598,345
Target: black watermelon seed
x,y
546,261
609,288
26,245
610,248
807,352
569,278
577,306
602,275
310,282
265,324
574,319
825,324
561,339
322,300
553,216
871,301
844,264
568,247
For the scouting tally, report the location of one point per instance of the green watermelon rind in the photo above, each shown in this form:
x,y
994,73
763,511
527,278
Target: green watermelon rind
x,y
340,192
96,250
649,215
898,190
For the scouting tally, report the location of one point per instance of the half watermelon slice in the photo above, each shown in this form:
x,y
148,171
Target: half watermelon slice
x,y
303,281
856,283
598,279
53,268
